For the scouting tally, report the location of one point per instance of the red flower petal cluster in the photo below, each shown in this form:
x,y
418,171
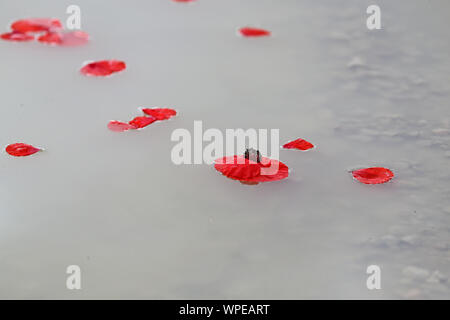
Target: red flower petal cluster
x,y
156,114
52,29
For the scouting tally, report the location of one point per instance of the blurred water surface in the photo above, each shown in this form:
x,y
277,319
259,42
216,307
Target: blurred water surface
x,y
141,227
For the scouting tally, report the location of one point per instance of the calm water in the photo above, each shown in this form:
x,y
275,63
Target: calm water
x,y
141,227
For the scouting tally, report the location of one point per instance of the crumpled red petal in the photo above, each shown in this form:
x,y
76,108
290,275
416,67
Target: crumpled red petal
x,y
375,175
254,32
16,36
119,126
21,149
250,172
36,25
103,68
160,113
299,144
141,122
68,39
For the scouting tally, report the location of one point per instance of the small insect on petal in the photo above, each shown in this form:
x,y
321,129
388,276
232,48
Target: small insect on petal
x,y
69,39
141,122
36,25
160,113
118,126
21,149
16,36
299,144
254,32
103,68
375,175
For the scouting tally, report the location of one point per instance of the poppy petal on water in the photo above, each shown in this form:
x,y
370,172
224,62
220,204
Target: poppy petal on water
x,y
375,175
68,39
103,68
16,36
119,126
160,113
254,32
36,25
141,122
251,172
21,149
299,144
237,167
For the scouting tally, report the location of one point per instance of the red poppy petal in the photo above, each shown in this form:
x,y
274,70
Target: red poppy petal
x,y
21,149
16,36
237,167
68,39
51,38
141,122
103,68
282,171
253,32
373,175
36,25
160,113
118,126
250,171
299,144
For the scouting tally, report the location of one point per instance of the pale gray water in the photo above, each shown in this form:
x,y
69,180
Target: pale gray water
x,y
141,227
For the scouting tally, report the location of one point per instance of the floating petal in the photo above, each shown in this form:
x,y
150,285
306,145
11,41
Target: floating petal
x,y
16,36
375,175
119,126
36,25
141,122
299,144
103,68
21,149
254,32
160,113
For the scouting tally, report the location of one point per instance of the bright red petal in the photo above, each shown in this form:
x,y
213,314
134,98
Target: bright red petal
x,y
21,149
118,126
51,38
160,113
16,36
103,68
250,172
299,144
253,32
141,122
231,168
375,175
36,25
